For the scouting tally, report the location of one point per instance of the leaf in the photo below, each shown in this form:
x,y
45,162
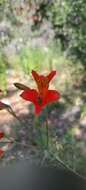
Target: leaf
x,y
21,86
9,109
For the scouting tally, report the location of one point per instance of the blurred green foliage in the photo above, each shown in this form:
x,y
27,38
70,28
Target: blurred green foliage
x,y
83,110
36,58
76,22
3,77
68,22
66,17
31,59
70,151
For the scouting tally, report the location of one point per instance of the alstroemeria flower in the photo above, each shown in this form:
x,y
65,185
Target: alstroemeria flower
x,y
41,97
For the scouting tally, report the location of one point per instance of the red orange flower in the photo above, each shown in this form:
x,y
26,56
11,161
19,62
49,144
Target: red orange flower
x,y
43,96
43,81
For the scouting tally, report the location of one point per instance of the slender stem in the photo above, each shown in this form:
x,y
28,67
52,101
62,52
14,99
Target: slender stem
x,y
47,130
68,167
47,133
39,128
17,142
23,144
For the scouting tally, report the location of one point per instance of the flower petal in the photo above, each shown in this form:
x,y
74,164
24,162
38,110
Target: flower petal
x,y
32,96
41,81
29,95
51,75
38,108
51,96
36,76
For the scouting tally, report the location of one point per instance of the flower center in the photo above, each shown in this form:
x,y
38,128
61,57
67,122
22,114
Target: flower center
x,y
39,99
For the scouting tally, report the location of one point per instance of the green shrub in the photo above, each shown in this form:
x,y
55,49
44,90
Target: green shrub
x,y
36,58
31,59
3,78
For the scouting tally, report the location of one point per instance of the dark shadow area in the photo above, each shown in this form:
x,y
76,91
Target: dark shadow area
x,y
25,176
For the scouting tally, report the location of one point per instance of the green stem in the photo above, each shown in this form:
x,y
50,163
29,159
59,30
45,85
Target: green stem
x,y
38,126
68,167
47,131
17,142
